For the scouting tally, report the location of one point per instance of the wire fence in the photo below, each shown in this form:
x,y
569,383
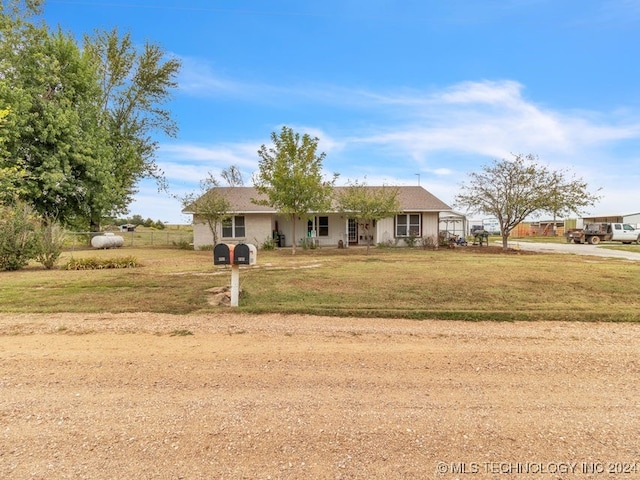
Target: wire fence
x,y
150,238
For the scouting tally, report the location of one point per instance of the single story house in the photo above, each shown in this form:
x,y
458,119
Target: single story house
x,y
252,223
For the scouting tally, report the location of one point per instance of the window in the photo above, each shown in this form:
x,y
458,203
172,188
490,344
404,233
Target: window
x,y
233,227
318,226
239,226
407,225
323,226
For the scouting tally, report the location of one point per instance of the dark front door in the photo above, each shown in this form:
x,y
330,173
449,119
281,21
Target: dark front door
x,y
352,228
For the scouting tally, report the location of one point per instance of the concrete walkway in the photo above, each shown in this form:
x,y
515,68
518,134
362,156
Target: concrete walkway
x,y
576,249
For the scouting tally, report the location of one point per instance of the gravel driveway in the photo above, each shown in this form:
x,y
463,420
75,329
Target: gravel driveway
x,y
576,249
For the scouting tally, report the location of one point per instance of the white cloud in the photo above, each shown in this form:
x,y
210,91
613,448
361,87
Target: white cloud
x,y
186,162
443,171
190,163
507,93
326,143
221,155
491,119
197,78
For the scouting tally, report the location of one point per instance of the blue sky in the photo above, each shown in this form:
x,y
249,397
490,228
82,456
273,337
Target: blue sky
x,y
397,91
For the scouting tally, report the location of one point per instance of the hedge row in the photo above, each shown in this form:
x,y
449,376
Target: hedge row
x,y
93,263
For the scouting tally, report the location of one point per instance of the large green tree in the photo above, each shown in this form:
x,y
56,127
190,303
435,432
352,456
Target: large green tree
x,y
11,176
515,189
290,177
16,34
135,86
368,204
78,135
58,141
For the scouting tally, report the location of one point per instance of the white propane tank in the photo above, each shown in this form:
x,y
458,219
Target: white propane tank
x,y
107,240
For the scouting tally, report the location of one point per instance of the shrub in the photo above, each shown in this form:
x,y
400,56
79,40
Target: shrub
x,y
308,243
94,263
183,245
411,240
17,236
443,239
387,243
49,242
268,244
428,242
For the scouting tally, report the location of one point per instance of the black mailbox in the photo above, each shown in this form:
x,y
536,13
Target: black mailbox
x,y
223,254
241,254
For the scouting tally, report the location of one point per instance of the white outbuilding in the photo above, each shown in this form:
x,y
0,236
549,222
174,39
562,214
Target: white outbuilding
x,y
632,219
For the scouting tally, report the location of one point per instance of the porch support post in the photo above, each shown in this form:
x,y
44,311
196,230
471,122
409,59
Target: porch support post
x,y
346,230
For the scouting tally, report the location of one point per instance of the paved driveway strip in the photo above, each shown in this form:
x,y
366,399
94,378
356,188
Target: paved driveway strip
x,y
576,249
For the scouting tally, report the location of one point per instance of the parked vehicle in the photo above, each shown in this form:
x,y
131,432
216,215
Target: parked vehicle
x,y
595,233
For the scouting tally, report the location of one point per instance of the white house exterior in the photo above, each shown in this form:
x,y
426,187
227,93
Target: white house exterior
x,y
251,223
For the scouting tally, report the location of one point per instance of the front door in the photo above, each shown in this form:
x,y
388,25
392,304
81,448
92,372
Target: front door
x,y
352,229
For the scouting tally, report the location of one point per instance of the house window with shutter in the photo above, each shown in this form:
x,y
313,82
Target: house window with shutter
x,y
408,225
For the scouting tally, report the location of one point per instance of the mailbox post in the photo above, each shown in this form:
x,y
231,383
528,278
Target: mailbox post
x,y
234,255
235,284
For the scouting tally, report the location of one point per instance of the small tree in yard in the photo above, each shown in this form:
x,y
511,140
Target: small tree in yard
x,y
512,190
211,205
369,204
290,176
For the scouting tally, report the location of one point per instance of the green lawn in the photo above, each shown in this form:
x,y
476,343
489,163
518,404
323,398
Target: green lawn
x,y
464,283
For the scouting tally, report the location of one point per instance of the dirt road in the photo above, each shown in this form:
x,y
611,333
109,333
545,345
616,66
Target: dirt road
x,y
230,397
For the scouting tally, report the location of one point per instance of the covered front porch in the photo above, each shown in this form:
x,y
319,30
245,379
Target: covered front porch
x,y
321,230
342,230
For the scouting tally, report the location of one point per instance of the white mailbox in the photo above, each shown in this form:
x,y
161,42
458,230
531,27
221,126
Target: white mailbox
x,y
253,254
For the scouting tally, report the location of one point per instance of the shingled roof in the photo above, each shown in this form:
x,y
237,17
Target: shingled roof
x,y
417,199
411,199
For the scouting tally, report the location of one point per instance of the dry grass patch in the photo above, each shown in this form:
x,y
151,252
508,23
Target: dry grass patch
x,y
464,283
